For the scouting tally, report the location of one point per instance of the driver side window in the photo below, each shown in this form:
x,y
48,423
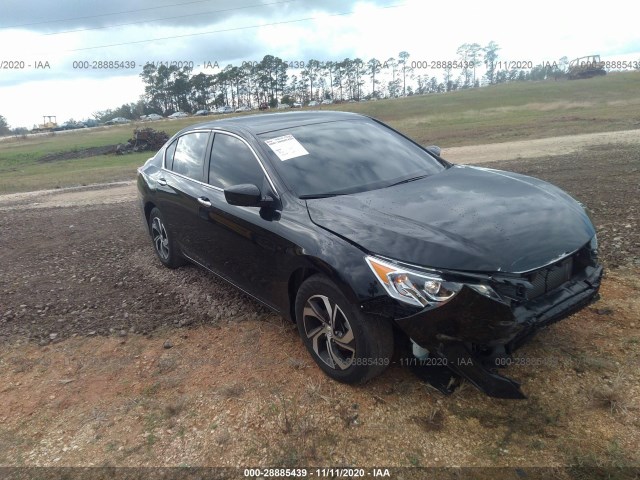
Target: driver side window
x,y
233,163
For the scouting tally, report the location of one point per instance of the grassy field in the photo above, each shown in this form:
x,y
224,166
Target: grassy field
x,y
83,171
22,167
516,111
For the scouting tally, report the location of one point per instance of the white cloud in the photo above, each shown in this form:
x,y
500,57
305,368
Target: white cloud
x,y
78,99
541,31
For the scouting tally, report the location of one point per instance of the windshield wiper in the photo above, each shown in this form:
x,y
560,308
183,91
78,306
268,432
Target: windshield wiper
x,y
408,180
320,195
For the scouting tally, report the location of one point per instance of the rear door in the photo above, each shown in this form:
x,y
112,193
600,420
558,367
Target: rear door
x,y
181,186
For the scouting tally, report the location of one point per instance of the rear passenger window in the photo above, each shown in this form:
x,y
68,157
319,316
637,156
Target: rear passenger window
x,y
233,163
168,155
188,159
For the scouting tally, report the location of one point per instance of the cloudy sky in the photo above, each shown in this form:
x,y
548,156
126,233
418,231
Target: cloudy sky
x,y
231,31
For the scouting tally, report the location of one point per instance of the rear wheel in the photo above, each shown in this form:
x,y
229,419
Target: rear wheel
x,y
162,241
348,346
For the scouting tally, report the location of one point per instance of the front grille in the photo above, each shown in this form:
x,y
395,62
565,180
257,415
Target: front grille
x,y
546,279
550,278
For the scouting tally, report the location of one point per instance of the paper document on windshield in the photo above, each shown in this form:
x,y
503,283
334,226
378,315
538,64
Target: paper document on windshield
x,y
286,147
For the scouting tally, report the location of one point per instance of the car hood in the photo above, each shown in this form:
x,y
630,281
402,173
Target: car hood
x,y
464,218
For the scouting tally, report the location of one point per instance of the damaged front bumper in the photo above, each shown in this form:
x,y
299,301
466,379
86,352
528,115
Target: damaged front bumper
x,y
472,332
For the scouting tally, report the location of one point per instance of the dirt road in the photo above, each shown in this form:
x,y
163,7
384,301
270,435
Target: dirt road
x,y
108,359
541,147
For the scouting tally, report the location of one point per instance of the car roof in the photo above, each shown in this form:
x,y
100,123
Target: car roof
x,y
269,122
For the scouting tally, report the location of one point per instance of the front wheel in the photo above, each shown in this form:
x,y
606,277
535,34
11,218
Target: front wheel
x,y
348,346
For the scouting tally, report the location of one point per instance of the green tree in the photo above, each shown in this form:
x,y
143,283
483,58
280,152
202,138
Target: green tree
x,y
236,78
281,75
448,76
247,85
329,67
162,85
374,68
223,83
422,81
490,57
394,88
152,91
310,74
475,59
470,56
434,87
200,86
4,126
351,72
139,108
404,69
563,64
393,64
180,88
339,76
360,72
292,88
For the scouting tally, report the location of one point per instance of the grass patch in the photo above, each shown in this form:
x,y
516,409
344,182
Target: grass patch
x,y
151,440
166,364
151,390
299,435
612,397
234,390
174,408
610,462
83,171
519,423
584,362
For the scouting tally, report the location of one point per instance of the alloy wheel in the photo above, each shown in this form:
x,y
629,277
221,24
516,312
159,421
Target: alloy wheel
x,y
328,328
160,238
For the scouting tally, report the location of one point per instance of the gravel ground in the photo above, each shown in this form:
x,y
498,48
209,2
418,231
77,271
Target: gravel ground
x,y
92,271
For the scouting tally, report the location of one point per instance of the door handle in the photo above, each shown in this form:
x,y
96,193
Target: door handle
x,y
162,181
204,202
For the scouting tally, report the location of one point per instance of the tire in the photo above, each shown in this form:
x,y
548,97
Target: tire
x,y
163,241
348,346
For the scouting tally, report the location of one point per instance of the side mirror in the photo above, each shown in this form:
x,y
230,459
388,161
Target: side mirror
x,y
434,149
246,195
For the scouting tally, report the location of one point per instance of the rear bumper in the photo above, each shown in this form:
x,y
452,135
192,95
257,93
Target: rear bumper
x,y
472,331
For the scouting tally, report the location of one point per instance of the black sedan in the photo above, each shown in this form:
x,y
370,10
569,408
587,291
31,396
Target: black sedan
x,y
370,242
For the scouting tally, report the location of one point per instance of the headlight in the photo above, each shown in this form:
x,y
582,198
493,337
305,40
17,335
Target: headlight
x,y
412,287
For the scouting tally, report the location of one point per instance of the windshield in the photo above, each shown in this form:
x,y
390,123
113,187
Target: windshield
x,y
346,156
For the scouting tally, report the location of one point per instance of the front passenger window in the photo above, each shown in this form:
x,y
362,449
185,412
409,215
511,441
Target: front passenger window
x,y
233,163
